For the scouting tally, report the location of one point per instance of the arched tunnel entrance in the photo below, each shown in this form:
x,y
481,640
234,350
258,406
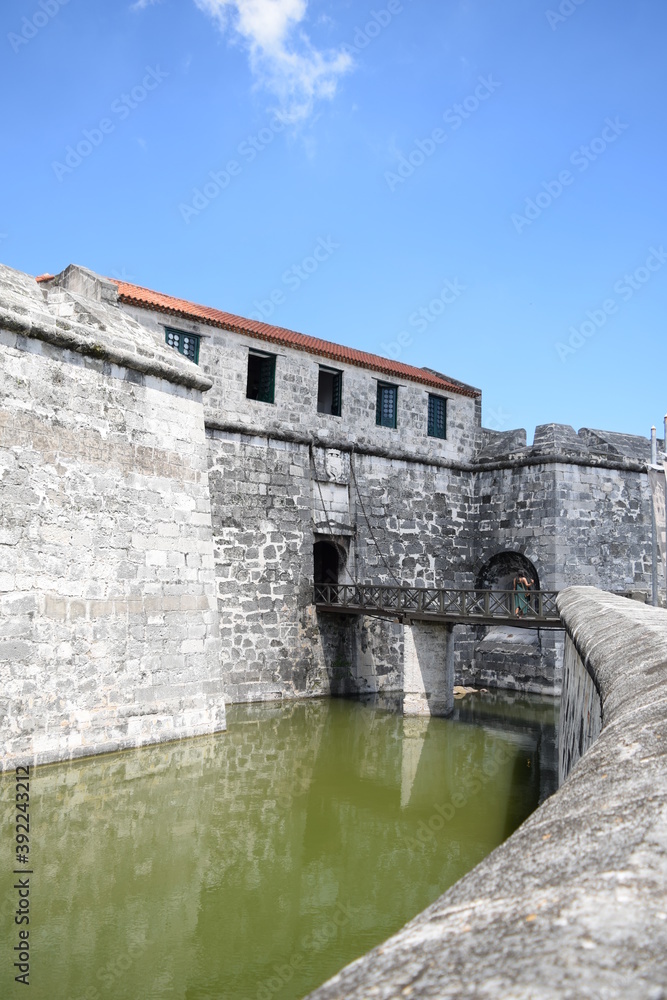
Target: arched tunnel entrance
x,y
507,655
499,572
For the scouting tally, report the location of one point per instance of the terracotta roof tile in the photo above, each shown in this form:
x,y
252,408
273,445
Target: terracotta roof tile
x,y
145,298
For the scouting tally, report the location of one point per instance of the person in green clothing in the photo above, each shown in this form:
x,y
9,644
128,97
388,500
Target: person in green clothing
x,y
522,585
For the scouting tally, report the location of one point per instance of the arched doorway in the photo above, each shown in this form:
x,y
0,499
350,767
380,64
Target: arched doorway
x,y
499,572
326,560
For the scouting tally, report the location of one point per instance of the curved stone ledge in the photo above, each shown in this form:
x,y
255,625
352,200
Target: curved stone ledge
x,y
74,337
574,904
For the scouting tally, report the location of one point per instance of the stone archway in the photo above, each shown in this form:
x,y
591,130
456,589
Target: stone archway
x,y
499,572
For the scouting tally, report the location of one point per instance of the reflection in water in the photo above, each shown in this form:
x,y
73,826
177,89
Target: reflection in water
x,y
254,864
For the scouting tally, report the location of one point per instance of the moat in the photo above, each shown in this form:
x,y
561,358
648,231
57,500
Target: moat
x,y
255,864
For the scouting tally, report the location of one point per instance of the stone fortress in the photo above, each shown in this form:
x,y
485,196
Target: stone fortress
x,y
174,479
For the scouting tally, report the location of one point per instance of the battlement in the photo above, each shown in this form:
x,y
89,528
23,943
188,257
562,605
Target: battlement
x,y
562,442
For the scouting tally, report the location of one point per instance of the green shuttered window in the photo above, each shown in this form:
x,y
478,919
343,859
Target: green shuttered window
x,y
330,392
261,377
185,343
437,417
387,405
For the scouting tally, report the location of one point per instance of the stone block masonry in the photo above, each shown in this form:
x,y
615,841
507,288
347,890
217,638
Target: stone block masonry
x,y
428,686
108,615
145,499
404,505
261,516
266,513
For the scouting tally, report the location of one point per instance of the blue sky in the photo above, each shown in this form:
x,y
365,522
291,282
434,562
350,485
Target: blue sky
x,y
483,182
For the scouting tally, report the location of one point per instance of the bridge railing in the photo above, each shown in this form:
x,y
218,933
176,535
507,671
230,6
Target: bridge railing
x,y
439,602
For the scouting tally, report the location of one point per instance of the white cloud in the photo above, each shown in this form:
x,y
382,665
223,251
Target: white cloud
x,y
142,4
281,55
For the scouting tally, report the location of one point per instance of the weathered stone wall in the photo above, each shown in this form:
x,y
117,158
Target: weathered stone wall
x,y
516,511
261,516
581,711
573,904
417,509
271,499
107,587
603,529
396,504
517,659
420,526
428,674
224,356
423,524
577,506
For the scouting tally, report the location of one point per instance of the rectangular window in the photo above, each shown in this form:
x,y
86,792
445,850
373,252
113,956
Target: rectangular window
x,y
261,377
437,417
387,405
330,392
185,343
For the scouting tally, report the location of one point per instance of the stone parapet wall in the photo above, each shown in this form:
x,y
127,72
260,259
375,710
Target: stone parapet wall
x,y
573,904
581,711
108,618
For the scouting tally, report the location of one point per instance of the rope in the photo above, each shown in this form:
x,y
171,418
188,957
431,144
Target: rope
x,y
319,490
368,523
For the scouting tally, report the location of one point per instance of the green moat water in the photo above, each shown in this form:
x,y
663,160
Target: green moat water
x,y
253,865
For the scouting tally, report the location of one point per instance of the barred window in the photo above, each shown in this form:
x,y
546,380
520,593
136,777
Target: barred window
x,y
185,343
437,417
387,405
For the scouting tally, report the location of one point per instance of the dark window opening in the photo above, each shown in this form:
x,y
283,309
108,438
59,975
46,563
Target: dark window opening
x,y
387,405
329,392
185,343
261,377
326,563
437,417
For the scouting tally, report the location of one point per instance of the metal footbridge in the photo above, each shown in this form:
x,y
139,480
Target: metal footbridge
x,y
536,609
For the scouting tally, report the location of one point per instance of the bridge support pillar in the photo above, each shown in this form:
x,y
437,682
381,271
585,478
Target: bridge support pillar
x,y
428,678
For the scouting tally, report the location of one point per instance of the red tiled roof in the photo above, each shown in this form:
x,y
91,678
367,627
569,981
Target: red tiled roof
x,y
143,297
